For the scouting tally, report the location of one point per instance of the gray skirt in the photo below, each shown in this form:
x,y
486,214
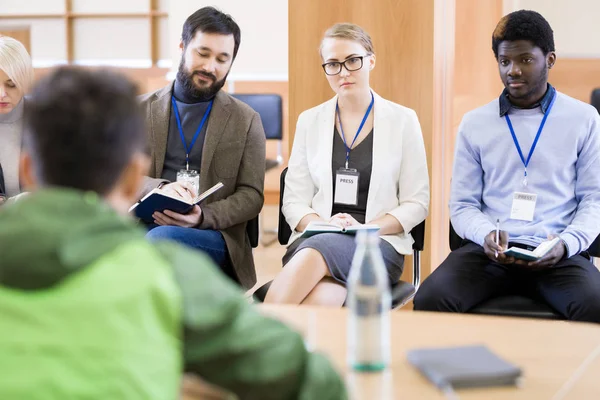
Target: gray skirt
x,y
338,250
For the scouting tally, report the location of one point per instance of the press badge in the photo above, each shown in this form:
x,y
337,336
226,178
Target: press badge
x,y
190,176
346,186
523,206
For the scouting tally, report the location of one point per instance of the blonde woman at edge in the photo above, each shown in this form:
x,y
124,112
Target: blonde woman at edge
x,y
16,77
379,139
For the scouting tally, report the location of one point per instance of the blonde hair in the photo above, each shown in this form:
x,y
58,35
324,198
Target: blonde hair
x,y
352,32
15,61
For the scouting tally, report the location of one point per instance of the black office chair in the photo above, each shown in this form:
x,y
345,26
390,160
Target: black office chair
x,y
595,100
2,190
252,231
516,305
270,109
402,292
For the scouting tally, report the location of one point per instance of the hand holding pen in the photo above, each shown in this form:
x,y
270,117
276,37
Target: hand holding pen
x,y
495,243
497,237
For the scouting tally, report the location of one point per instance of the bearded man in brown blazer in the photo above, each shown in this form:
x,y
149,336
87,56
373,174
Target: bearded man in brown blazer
x,y
199,136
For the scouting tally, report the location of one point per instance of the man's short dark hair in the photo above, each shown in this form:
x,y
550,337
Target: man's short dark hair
x,y
211,20
82,127
524,25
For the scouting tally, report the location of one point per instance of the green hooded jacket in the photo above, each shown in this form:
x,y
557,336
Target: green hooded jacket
x,y
90,310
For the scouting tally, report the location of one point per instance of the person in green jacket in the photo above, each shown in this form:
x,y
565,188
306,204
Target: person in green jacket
x,y
89,308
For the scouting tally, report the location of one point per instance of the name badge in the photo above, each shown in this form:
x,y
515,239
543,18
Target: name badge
x,y
346,186
190,176
523,206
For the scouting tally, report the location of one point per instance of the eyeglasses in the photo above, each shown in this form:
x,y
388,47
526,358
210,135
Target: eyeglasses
x,y
352,64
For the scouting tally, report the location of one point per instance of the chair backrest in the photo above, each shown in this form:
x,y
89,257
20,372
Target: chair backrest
x,y
418,234
284,231
270,109
595,100
2,190
454,239
594,248
252,231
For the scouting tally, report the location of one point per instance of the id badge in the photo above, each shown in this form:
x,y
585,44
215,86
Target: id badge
x,y
523,206
346,186
190,176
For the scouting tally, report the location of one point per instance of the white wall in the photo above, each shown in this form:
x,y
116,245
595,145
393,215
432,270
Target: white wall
x,y
263,53
97,41
47,36
13,7
123,41
574,22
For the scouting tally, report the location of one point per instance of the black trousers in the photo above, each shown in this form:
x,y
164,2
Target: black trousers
x,y
468,277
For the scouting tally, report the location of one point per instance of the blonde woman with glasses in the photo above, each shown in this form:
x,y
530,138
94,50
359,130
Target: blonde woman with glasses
x,y
16,77
356,159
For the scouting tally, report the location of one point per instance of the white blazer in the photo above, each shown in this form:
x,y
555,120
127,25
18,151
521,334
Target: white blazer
x,y
399,179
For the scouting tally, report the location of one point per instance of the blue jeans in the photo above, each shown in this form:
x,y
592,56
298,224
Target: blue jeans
x,y
208,241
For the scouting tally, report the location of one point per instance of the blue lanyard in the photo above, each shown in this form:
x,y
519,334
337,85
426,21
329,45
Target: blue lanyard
x,y
188,150
337,109
537,136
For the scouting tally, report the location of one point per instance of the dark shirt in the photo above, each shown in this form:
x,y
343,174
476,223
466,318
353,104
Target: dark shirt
x,y
191,115
361,159
544,103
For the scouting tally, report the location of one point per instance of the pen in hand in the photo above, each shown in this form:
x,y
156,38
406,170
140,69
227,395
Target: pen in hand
x,y
497,236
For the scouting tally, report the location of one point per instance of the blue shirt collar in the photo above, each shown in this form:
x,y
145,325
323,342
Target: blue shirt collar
x,y
506,105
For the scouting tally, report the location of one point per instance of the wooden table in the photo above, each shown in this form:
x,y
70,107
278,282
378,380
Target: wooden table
x,y
560,360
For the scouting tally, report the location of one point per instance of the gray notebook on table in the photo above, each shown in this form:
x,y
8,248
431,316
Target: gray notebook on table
x,y
462,367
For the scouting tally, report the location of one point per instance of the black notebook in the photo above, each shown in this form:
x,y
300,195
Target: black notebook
x,y
160,200
463,367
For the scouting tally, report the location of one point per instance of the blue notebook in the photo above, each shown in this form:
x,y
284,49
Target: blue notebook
x,y
160,200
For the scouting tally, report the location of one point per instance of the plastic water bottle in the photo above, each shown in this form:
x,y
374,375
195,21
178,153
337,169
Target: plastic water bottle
x,y
369,302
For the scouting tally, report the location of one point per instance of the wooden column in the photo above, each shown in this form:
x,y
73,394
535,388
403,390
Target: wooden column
x,y
408,39
476,78
471,80
69,40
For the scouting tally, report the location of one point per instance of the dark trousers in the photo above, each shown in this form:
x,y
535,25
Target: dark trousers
x,y
468,277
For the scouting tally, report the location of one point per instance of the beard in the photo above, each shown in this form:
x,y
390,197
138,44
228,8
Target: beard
x,y
534,87
186,79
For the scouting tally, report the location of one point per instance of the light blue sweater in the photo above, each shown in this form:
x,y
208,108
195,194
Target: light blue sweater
x,y
564,172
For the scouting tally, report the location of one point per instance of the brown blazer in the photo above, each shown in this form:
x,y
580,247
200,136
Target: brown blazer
x,y
233,153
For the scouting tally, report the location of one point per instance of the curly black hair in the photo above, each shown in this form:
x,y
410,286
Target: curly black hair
x,y
524,25
82,127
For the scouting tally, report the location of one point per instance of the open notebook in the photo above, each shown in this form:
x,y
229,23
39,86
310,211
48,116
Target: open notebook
x,y
316,227
160,200
532,255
